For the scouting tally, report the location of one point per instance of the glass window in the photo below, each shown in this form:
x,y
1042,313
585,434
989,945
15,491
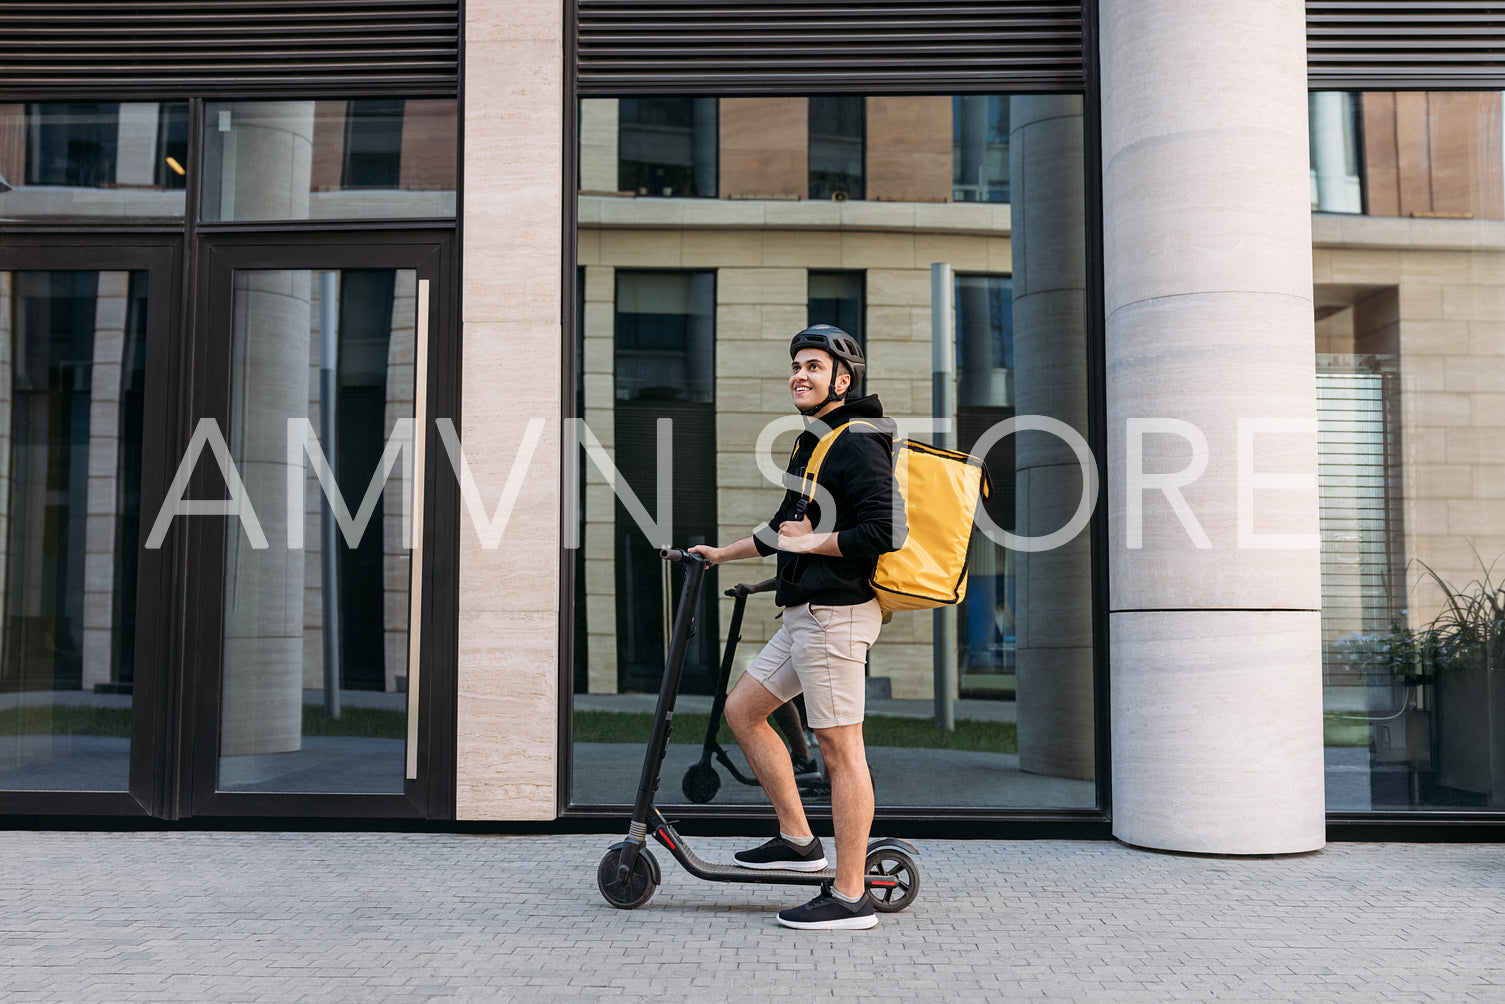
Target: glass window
x,y
667,146
709,350
980,148
838,128
373,144
986,630
664,366
838,298
321,160
72,363
93,158
316,641
1410,359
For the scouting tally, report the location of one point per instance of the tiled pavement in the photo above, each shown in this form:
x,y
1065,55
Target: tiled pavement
x,y
216,916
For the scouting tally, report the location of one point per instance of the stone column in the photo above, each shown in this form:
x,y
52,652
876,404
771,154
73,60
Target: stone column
x,y
110,306
1215,591
263,676
273,318
507,733
1053,620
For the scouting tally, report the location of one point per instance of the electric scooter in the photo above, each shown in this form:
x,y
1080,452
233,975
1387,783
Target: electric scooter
x,y
701,782
629,874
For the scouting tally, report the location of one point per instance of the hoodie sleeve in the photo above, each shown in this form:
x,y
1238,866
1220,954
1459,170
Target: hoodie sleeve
x,y
871,509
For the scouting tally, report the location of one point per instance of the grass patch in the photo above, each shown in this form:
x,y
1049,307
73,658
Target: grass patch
x,y
1344,729
63,720
879,730
366,723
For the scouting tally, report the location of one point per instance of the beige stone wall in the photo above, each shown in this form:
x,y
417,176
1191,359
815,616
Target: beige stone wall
x,y
1430,291
763,149
909,149
598,145
761,293
508,715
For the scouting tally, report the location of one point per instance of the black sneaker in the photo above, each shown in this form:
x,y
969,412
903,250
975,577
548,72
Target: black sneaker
x,y
804,765
780,853
827,913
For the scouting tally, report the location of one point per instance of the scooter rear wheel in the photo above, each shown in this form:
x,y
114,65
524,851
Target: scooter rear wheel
x,y
701,783
641,881
893,879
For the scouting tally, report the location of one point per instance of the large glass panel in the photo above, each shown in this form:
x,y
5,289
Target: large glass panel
x,y
327,160
72,363
93,158
316,618
1410,354
668,287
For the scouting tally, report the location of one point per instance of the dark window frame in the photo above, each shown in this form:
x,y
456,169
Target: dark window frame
x,y
171,708
996,822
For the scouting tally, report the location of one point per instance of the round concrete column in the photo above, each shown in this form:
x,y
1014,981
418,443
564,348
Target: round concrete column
x,y
1215,584
1053,618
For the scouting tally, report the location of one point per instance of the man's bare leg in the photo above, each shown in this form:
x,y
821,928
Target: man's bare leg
x,y
851,803
747,709
787,717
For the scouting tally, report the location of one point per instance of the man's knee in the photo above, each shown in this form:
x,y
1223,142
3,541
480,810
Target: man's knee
x,y
745,706
842,748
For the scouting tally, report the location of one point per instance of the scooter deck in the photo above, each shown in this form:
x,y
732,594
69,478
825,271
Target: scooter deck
x,y
712,871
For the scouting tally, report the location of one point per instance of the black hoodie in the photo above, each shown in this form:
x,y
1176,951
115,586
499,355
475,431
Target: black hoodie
x,y
869,517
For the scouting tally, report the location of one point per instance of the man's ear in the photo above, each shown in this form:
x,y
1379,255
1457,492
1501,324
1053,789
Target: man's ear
x,y
838,387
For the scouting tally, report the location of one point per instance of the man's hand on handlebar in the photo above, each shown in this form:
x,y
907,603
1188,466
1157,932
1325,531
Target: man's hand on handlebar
x,y
714,555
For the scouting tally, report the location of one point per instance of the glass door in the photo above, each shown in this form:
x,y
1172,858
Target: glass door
x,y
82,342
313,693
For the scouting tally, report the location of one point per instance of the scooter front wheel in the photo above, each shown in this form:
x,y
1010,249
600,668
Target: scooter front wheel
x,y
639,886
893,879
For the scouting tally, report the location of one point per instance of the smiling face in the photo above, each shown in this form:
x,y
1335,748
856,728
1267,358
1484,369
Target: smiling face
x,y
810,380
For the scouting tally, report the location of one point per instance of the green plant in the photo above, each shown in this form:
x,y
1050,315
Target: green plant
x,y
1400,651
1469,631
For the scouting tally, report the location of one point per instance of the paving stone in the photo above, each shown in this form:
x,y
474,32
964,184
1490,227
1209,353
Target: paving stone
x,y
192,916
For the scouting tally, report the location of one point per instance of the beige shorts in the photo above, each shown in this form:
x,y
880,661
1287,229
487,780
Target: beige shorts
x,y
822,651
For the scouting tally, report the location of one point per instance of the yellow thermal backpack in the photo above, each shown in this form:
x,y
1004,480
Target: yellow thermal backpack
x,y
941,490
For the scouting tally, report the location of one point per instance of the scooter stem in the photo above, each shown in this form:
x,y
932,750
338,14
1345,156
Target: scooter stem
x,y
663,715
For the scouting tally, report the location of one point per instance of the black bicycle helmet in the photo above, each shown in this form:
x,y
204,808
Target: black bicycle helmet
x,y
841,346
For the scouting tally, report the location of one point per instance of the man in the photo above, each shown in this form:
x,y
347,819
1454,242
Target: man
x,y
830,619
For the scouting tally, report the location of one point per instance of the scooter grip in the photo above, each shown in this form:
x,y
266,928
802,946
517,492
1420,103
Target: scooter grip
x,y
743,589
673,554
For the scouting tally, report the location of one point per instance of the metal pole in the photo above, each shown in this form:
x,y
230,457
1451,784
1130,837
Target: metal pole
x,y
943,409
329,577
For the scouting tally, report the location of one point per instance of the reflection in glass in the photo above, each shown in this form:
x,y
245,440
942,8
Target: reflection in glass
x,y
72,362
980,148
315,657
665,366
1024,707
838,127
984,373
323,160
667,146
93,158
837,298
1410,359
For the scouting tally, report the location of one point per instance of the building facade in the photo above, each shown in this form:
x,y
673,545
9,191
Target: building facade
x,y
350,382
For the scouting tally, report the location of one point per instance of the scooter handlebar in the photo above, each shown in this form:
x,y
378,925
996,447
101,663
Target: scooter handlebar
x,y
676,555
743,589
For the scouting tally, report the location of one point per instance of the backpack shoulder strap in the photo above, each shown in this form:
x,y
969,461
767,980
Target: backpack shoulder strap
x,y
818,455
